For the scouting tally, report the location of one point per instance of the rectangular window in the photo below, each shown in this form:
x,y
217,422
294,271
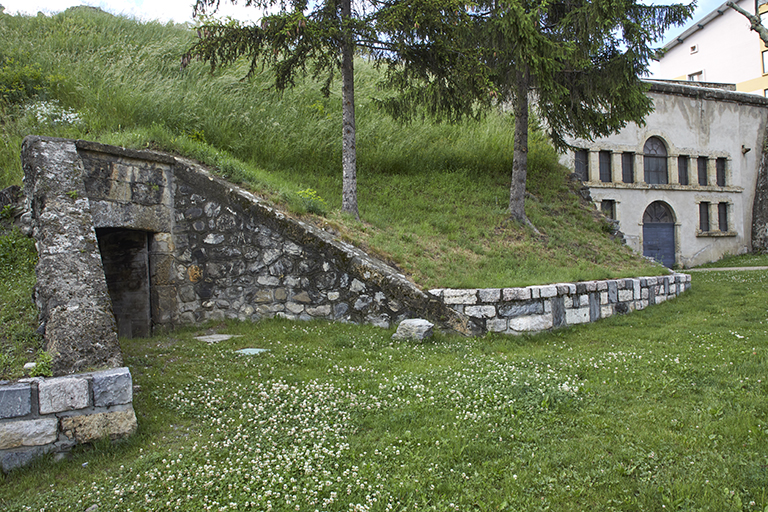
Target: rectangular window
x,y
695,77
605,166
722,216
765,62
702,165
582,164
628,167
682,170
655,170
608,207
720,167
704,216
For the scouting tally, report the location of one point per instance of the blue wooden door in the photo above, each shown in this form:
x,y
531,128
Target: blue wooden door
x,y
659,234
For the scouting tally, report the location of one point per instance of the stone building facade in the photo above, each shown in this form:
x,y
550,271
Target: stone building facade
x,y
682,186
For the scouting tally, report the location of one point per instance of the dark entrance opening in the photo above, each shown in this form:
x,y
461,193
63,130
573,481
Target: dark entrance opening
x,y
659,233
125,256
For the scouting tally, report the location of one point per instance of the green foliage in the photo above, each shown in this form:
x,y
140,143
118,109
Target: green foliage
x,y
19,342
43,365
20,81
312,202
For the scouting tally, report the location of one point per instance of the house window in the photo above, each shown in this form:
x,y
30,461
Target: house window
x,y
765,93
765,61
608,207
701,163
704,216
655,161
582,164
628,167
682,170
694,49
605,166
695,77
722,216
720,168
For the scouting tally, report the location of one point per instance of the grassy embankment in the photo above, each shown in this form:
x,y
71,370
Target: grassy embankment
x,y
432,196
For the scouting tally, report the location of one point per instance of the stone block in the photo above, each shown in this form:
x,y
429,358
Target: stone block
x,y
533,323
603,298
268,281
460,296
357,286
322,311
87,428
546,292
294,307
62,394
516,294
577,316
531,307
496,325
302,297
416,329
626,295
636,287
606,311
489,295
15,400
15,434
480,311
613,291
112,387
644,293
535,292
602,286
19,458
568,302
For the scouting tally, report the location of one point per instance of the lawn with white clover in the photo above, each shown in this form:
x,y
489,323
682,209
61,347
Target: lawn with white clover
x,y
664,409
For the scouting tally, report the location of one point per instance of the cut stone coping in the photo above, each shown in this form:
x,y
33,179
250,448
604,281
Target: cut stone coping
x,y
251,351
713,269
215,338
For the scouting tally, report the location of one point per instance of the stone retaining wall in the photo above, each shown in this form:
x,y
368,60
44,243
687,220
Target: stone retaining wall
x,y
538,308
40,416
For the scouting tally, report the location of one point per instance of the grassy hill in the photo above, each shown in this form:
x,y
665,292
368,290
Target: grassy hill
x,y
432,196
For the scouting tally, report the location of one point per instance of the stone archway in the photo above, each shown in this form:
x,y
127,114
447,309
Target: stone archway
x,y
659,233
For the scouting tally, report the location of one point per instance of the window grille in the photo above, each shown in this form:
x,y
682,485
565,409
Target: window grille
x,y
655,161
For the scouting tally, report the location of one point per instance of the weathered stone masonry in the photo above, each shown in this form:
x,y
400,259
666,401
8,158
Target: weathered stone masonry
x,y
538,308
39,416
180,246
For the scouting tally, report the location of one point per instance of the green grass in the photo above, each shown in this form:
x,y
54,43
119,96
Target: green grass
x,y
432,196
742,260
663,409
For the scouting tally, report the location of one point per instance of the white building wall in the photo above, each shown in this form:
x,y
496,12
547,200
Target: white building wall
x,y
691,121
726,51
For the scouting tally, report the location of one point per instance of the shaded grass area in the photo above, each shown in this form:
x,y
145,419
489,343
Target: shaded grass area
x,y
432,196
661,409
742,260
19,343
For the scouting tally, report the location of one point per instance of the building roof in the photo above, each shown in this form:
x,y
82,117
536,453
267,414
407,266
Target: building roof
x,y
716,13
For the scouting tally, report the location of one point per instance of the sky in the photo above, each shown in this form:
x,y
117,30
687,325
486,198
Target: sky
x,y
180,11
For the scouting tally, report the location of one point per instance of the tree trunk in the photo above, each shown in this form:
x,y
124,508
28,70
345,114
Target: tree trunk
x,y
348,150
520,156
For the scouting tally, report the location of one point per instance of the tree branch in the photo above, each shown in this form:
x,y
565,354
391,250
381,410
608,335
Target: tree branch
x,y
755,23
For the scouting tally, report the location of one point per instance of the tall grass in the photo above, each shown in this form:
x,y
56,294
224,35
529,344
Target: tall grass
x,y
432,196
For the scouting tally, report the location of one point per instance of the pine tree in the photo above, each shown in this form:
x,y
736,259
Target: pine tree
x,y
577,61
298,39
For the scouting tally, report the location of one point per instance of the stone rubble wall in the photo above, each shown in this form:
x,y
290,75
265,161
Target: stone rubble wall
x,y
40,416
538,308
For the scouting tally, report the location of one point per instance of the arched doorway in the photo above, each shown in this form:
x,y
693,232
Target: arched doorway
x,y
659,233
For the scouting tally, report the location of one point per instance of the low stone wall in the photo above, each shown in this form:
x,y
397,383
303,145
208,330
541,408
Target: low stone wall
x,y
538,308
40,416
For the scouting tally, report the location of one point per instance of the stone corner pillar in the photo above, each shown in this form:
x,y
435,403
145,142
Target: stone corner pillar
x,y
71,292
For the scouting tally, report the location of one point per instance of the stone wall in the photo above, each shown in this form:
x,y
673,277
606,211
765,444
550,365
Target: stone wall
x,y
538,308
40,416
214,251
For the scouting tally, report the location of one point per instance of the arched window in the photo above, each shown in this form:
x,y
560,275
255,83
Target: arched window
x,y
655,160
